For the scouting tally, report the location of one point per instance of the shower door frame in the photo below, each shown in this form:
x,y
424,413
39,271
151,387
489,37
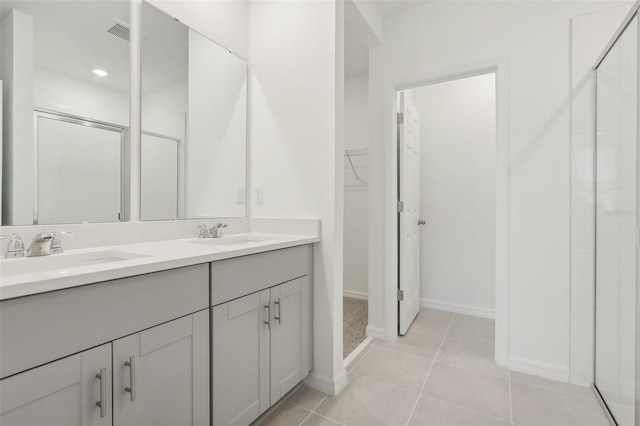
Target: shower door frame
x,y
633,13
89,122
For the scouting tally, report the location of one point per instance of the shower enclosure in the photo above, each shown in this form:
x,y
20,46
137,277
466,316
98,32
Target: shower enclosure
x,y
616,220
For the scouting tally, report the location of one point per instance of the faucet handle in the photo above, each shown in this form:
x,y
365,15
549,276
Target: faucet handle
x,y
216,231
204,231
56,241
15,248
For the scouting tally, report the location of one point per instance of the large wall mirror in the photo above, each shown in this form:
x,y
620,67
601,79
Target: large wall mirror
x,y
65,70
194,101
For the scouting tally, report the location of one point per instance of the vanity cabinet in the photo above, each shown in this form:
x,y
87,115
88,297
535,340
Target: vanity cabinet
x,y
161,375
63,392
60,353
226,339
240,359
260,341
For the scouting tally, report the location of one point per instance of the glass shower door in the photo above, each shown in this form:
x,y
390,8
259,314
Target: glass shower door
x,y
616,215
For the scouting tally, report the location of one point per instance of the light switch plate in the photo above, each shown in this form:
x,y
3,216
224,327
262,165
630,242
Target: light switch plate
x,y
259,194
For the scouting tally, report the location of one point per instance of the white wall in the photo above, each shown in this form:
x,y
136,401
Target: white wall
x,y
533,39
223,21
458,193
590,34
217,130
356,195
296,146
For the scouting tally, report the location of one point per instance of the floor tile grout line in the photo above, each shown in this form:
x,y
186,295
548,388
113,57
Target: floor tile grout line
x,y
552,389
364,354
329,418
305,408
305,419
404,352
423,332
413,409
473,343
465,408
385,383
473,370
510,397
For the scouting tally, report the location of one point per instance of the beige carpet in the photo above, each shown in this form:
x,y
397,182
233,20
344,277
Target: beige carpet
x,y
355,313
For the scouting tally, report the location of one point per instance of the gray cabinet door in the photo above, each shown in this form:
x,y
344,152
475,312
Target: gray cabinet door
x,y
61,393
289,351
161,375
240,359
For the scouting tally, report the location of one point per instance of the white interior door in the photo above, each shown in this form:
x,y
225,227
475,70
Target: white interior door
x,y
409,216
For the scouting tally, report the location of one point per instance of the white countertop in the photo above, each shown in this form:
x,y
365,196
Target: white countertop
x,y
33,275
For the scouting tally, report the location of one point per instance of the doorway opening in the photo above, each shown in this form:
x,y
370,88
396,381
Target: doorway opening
x,y
447,185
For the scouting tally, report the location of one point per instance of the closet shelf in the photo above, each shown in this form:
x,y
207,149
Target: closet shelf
x,y
354,152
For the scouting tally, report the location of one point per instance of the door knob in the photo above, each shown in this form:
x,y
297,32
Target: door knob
x,y
422,222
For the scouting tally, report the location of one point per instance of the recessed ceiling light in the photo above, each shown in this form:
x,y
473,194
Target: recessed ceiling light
x,y
100,73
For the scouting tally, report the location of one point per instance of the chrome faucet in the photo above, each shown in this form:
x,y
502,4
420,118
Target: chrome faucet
x,y
204,231
47,243
15,248
216,231
56,241
40,245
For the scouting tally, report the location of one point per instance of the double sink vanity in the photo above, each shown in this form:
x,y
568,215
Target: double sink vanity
x,y
192,331
183,331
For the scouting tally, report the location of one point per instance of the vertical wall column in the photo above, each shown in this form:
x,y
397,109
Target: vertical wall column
x,y
135,124
18,131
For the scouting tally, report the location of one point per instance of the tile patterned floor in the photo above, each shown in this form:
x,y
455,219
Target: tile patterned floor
x,y
441,373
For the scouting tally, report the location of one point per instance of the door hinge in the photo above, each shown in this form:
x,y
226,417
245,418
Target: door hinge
x,y
400,206
400,118
400,295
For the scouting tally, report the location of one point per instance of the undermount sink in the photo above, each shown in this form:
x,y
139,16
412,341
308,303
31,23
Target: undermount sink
x,y
234,241
62,262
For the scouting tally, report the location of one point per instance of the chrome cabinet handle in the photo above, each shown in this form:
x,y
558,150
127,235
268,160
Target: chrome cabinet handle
x,y
279,317
268,321
132,377
102,375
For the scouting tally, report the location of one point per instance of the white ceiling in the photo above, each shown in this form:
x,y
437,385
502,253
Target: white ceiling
x,y
70,38
356,51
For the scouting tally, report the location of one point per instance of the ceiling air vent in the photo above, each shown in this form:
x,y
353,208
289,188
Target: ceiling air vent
x,y
119,29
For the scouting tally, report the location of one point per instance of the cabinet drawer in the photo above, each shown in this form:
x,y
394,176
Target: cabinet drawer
x,y
38,329
233,278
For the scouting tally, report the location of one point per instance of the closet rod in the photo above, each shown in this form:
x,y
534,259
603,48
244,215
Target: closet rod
x,y
348,154
356,152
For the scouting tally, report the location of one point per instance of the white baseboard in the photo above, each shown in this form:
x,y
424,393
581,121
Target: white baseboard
x,y
355,294
376,332
458,308
581,375
548,371
329,385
